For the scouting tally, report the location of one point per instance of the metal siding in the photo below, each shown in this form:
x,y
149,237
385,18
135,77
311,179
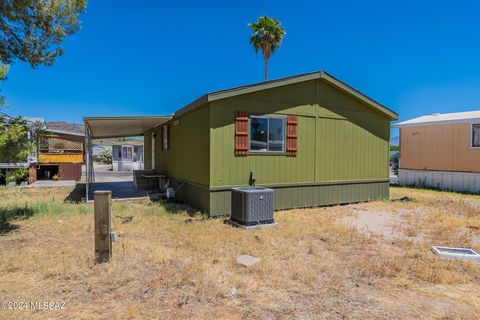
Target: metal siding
x,y
439,147
445,180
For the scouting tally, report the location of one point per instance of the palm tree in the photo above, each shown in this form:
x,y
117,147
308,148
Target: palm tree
x,y
267,36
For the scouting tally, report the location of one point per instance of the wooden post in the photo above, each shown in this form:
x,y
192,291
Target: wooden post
x,y
103,225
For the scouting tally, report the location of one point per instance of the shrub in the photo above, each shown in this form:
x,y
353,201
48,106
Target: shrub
x,y
105,156
20,175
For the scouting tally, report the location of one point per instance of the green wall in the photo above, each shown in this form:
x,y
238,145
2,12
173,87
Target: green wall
x,y
188,158
147,150
342,153
339,138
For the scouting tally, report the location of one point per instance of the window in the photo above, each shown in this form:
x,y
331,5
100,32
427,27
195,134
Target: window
x,y
166,137
267,134
476,135
126,152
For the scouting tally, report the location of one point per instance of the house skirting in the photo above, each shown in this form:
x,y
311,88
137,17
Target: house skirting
x,y
309,195
196,195
445,180
216,201
126,165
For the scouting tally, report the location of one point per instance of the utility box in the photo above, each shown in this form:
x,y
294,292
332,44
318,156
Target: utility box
x,y
252,206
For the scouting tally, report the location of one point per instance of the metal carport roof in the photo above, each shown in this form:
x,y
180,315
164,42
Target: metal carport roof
x,y
118,127
114,127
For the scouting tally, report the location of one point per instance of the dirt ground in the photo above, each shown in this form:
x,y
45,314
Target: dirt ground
x,y
358,261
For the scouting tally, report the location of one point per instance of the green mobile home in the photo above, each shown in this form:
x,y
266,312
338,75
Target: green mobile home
x,y
312,138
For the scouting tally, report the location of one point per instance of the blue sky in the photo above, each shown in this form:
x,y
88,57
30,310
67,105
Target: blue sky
x,y
153,57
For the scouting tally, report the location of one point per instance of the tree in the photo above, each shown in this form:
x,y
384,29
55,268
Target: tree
x,y
3,77
267,36
14,144
33,30
394,148
38,132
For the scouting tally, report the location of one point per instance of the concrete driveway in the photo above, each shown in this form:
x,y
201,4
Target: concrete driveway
x,y
104,173
119,182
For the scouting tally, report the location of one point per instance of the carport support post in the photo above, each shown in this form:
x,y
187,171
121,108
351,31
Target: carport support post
x,y
103,225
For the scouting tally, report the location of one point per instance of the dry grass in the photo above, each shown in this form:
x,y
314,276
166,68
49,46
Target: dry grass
x,y
169,267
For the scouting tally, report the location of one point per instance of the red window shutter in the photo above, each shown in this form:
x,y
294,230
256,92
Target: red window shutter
x,y
241,133
292,135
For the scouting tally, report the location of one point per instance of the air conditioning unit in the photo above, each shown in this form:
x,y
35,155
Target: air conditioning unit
x,y
252,206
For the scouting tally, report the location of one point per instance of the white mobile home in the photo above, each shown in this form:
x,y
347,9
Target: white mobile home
x,y
127,156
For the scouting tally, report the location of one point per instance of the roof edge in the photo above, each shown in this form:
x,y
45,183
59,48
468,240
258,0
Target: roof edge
x,y
90,122
86,119
192,105
218,95
224,94
66,133
236,91
404,124
360,96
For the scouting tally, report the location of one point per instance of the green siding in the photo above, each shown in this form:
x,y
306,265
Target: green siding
x,y
197,196
340,138
309,196
342,153
346,151
228,170
147,150
188,157
187,161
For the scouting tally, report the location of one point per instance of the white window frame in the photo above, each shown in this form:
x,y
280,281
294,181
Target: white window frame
x,y
267,117
131,152
471,135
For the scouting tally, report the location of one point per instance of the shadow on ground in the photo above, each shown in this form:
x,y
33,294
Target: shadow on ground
x,y
173,207
12,213
119,189
78,194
